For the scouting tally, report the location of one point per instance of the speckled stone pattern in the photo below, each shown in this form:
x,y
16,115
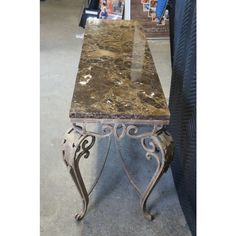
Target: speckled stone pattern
x,y
117,77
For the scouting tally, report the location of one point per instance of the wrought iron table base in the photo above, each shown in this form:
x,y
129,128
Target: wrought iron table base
x,y
78,141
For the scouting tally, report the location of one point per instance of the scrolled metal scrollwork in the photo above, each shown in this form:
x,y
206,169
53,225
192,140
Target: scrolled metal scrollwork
x,y
153,149
117,127
107,130
131,131
83,147
157,144
77,146
160,147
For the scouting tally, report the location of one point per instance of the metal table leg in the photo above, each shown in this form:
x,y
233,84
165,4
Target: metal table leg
x,y
158,144
76,146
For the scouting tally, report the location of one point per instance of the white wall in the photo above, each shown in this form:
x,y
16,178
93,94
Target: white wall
x,y
127,9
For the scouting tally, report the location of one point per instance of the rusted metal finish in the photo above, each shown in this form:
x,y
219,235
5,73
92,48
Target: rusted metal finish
x,y
157,144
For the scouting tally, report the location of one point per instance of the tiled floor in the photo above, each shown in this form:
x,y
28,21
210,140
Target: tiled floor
x,y
114,206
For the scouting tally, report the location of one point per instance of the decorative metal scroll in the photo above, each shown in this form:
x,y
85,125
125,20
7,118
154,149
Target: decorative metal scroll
x,y
131,131
157,143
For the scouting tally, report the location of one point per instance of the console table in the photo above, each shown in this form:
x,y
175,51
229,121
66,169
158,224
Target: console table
x,y
118,88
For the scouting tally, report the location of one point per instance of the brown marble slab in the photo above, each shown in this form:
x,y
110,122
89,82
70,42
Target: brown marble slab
x,y
117,77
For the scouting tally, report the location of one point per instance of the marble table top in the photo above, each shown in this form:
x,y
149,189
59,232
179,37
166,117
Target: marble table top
x,y
117,78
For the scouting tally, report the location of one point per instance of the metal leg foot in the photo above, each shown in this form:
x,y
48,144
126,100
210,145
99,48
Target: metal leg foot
x,y
76,146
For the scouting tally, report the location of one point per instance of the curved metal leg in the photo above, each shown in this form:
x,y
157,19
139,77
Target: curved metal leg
x,y
159,146
76,146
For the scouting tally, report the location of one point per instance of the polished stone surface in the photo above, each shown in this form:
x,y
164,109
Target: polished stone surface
x,y
117,78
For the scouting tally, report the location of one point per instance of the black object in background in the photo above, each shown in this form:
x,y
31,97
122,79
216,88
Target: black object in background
x,y
87,12
182,104
94,4
92,7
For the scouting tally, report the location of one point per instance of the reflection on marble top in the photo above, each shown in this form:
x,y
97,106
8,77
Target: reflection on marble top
x,y
117,77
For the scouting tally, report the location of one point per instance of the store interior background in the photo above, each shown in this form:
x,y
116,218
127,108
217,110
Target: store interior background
x,y
114,206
